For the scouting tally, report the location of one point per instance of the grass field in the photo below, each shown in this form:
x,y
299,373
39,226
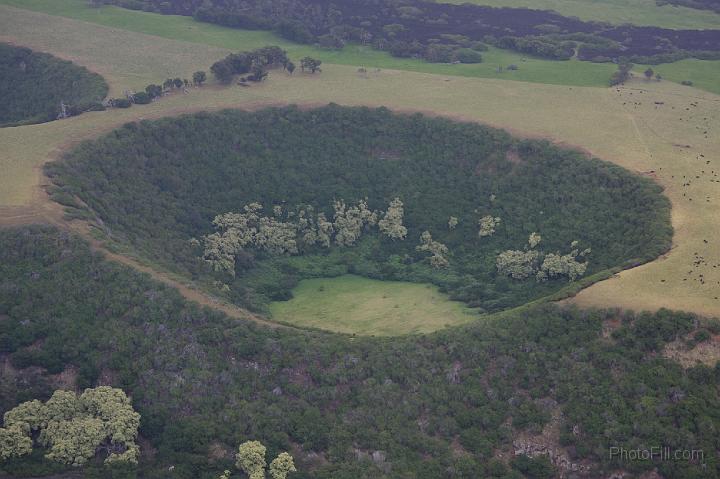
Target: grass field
x,y
705,74
352,304
637,12
186,29
623,125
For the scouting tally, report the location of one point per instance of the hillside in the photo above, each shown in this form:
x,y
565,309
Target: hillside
x,y
454,404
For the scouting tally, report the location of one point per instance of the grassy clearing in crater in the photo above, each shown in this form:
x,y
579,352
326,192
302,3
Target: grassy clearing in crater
x,y
353,304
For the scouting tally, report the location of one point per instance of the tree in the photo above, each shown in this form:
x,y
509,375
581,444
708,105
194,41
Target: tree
x,y
290,67
452,222
435,248
487,225
74,428
517,264
534,240
222,71
168,84
258,74
649,73
199,78
281,466
622,74
309,63
153,90
177,82
391,224
250,459
142,98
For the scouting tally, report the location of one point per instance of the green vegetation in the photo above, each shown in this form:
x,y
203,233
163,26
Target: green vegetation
x,y
705,73
154,186
353,304
186,29
617,12
416,405
37,87
74,428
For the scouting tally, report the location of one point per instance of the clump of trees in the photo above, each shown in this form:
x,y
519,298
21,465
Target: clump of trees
x,y
487,225
310,64
38,87
523,264
392,222
73,428
623,74
255,62
438,251
250,459
291,232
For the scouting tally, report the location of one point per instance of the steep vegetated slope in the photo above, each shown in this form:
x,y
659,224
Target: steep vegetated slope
x,y
441,32
157,185
33,85
433,406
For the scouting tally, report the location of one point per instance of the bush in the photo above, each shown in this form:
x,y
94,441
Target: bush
x,y
467,55
121,103
142,98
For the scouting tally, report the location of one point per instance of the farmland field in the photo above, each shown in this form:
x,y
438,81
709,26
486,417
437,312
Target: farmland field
x,y
705,74
666,137
353,304
637,12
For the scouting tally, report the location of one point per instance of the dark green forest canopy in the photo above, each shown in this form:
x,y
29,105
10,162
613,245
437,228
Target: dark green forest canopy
x,y
33,84
155,185
435,405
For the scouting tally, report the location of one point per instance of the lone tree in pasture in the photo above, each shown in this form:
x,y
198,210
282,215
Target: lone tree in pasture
x,y
622,74
199,78
290,67
649,73
311,64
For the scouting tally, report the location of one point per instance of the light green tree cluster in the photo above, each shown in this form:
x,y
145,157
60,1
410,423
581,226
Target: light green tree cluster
x,y
349,222
289,232
518,264
437,250
74,428
534,240
487,225
250,459
522,264
555,264
392,222
238,231
452,222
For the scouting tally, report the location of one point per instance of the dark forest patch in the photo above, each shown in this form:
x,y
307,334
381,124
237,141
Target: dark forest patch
x,y
37,87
